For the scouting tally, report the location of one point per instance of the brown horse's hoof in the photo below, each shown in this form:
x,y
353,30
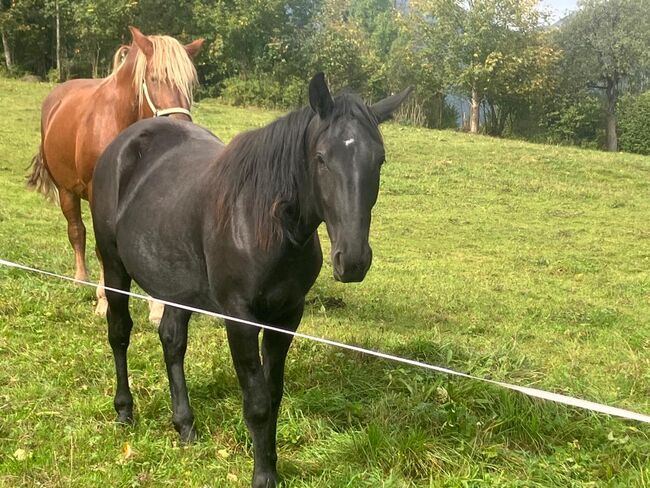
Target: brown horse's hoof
x,y
80,276
156,310
102,307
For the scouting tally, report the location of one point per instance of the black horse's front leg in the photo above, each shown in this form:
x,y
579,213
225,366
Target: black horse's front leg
x,y
244,349
262,386
275,346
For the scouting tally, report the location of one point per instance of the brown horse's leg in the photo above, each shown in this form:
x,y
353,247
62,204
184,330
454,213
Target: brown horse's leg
x,y
102,303
156,311
100,292
71,207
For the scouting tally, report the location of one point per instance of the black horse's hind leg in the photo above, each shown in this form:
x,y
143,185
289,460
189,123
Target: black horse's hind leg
x,y
173,336
119,332
261,387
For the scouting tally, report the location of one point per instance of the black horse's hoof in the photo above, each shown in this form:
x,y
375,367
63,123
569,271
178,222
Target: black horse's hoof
x,y
125,418
187,435
265,480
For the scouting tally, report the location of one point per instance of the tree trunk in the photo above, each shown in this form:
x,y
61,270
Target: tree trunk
x,y
7,50
96,64
612,98
503,117
475,111
491,119
58,42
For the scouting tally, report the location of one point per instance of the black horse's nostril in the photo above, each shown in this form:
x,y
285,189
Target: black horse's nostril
x,y
351,268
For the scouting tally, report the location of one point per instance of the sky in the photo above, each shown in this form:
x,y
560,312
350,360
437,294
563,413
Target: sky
x,y
559,7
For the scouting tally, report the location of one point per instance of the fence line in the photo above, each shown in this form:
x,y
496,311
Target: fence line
x,y
532,392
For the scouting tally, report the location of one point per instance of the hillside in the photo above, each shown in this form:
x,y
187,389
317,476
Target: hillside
x,y
519,262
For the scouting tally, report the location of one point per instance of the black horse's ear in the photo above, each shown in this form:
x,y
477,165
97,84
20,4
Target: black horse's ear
x,y
384,109
319,96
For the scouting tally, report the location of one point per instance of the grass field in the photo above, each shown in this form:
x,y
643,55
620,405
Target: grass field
x,y
518,262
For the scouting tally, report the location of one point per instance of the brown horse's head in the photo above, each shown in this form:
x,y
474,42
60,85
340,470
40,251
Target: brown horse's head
x,y
163,74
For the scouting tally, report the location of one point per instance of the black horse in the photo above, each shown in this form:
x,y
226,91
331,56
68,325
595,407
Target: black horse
x,y
232,229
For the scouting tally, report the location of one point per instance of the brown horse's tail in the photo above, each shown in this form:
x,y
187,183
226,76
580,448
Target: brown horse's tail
x,y
40,180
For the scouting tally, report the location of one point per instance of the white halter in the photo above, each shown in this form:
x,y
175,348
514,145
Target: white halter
x,y
163,112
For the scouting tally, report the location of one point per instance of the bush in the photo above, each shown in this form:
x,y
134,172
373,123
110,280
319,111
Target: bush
x,y
575,120
634,123
53,76
431,111
16,72
263,91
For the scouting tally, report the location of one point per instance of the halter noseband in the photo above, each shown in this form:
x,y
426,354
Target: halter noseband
x,y
165,111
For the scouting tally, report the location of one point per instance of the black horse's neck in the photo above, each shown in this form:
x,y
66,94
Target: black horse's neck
x,y
302,215
268,165
302,220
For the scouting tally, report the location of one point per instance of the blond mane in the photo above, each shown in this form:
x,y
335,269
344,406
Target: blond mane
x,y
169,63
120,56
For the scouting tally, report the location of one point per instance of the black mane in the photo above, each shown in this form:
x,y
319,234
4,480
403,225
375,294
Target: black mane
x,y
271,163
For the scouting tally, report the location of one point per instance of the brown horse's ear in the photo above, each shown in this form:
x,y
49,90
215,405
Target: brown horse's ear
x,y
194,47
140,40
384,108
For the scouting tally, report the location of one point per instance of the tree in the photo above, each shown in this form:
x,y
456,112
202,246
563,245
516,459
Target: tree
x,y
100,27
634,121
340,47
5,18
607,44
482,46
27,34
519,79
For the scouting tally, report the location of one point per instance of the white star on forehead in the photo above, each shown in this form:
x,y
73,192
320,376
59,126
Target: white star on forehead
x,y
349,141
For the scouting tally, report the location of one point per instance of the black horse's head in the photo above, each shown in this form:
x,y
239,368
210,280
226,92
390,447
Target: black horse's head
x,y
345,153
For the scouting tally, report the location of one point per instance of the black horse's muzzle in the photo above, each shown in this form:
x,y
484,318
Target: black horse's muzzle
x,y
350,267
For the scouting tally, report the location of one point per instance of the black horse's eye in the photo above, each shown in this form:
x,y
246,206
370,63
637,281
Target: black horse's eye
x,y
320,159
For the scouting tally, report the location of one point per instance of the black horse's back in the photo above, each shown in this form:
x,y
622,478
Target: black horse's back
x,y
151,143
148,188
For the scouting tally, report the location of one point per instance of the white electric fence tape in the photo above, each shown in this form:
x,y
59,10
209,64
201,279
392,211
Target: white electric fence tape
x,y
533,392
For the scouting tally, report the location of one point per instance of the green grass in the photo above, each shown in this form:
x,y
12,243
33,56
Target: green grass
x,y
519,262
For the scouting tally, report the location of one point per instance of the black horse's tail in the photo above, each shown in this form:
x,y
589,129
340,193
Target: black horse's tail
x,y
40,180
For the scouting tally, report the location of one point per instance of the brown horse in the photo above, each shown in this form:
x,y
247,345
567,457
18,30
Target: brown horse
x,y
154,76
